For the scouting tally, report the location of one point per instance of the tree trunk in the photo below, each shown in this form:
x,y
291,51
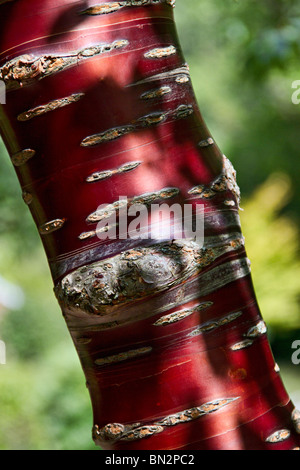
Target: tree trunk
x,y
170,337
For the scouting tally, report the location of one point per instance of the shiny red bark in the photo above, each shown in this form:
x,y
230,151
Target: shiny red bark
x,y
51,52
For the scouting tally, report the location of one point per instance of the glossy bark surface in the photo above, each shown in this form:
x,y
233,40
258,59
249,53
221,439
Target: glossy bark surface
x,y
100,105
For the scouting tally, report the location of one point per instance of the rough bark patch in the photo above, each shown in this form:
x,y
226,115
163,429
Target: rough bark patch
x,y
26,69
134,274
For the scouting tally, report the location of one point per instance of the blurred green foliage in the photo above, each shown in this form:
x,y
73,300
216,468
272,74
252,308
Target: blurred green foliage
x,y
243,57
272,241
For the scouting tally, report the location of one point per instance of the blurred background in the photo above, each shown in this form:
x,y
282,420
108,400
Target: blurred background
x,y
244,57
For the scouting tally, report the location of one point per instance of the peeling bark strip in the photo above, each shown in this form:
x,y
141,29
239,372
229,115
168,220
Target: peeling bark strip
x,y
181,314
214,324
20,158
181,75
52,106
52,226
145,199
223,239
26,69
116,431
226,181
103,175
279,436
161,52
296,420
112,7
149,120
222,275
139,272
124,356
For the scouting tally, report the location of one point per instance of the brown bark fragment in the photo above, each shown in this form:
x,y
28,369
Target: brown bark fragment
x,y
156,93
161,52
116,432
241,345
121,357
181,315
27,197
103,175
214,324
296,420
196,412
107,136
22,157
206,143
52,106
257,330
279,436
52,226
